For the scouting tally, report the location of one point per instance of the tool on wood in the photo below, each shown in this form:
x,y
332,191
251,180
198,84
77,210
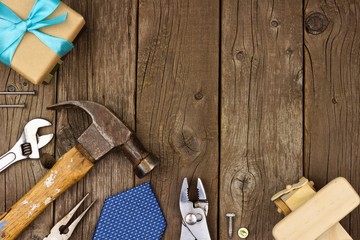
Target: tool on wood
x,y
243,233
18,93
131,215
28,145
12,105
15,93
230,217
194,225
105,133
62,230
314,215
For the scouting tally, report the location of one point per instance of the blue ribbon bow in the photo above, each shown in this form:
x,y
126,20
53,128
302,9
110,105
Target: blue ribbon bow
x,y
13,29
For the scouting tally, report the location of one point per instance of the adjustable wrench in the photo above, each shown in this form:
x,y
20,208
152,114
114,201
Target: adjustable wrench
x,y
28,145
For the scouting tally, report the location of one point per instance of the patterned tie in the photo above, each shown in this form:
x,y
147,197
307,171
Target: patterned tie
x,y
130,215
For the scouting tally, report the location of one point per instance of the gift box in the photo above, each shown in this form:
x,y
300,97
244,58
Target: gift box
x,y
35,34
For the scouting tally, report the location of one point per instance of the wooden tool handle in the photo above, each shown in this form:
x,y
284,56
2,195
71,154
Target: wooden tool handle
x,y
320,213
68,170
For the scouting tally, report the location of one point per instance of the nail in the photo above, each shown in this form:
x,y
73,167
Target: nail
x,y
18,93
12,106
230,226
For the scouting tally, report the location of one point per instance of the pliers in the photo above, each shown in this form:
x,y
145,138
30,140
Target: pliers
x,y
194,225
62,230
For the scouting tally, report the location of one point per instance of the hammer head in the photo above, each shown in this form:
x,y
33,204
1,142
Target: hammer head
x,y
107,132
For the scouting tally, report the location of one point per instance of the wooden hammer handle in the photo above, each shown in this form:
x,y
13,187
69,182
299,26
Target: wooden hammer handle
x,y
68,170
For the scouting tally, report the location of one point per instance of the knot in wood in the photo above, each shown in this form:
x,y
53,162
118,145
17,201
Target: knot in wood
x,y
274,23
199,96
11,88
245,182
240,55
47,160
334,100
316,23
244,187
186,142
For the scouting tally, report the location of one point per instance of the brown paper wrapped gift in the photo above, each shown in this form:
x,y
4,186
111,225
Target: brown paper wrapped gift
x,y
33,59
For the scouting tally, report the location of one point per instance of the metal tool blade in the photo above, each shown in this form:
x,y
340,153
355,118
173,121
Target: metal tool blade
x,y
30,131
201,190
184,193
44,140
56,233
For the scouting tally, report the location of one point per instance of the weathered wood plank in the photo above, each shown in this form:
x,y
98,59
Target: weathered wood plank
x,y
16,180
177,99
102,69
332,94
261,110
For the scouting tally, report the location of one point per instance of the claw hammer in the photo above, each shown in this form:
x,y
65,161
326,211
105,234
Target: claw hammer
x,y
105,133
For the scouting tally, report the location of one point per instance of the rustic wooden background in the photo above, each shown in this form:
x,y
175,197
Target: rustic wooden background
x,y
249,95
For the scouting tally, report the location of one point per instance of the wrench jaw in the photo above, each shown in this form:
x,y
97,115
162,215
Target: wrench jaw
x,y
29,142
31,137
44,140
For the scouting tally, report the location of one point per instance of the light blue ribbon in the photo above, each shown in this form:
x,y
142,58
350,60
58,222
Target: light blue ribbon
x,y
13,29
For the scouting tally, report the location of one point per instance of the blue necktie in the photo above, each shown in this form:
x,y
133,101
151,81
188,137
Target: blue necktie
x,y
131,215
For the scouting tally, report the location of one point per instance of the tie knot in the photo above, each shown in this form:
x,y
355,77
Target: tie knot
x,y
24,25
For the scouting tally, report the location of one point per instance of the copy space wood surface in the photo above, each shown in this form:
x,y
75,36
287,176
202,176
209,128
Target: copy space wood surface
x,y
177,100
261,120
216,90
332,98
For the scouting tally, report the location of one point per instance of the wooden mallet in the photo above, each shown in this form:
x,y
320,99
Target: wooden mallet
x,y
314,215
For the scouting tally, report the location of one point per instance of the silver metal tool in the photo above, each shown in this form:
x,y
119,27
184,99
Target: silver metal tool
x,y
18,93
28,145
63,231
194,225
12,106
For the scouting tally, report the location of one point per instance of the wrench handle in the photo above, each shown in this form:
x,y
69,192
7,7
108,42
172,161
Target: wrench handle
x,y
68,170
6,160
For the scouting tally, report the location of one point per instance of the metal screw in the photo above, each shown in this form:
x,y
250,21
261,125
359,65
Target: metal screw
x,y
230,226
243,233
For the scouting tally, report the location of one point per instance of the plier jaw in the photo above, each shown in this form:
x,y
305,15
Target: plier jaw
x,y
63,229
194,225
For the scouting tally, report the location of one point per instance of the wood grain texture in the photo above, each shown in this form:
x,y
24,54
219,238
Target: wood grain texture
x,y
261,110
332,97
164,78
177,100
101,68
16,180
